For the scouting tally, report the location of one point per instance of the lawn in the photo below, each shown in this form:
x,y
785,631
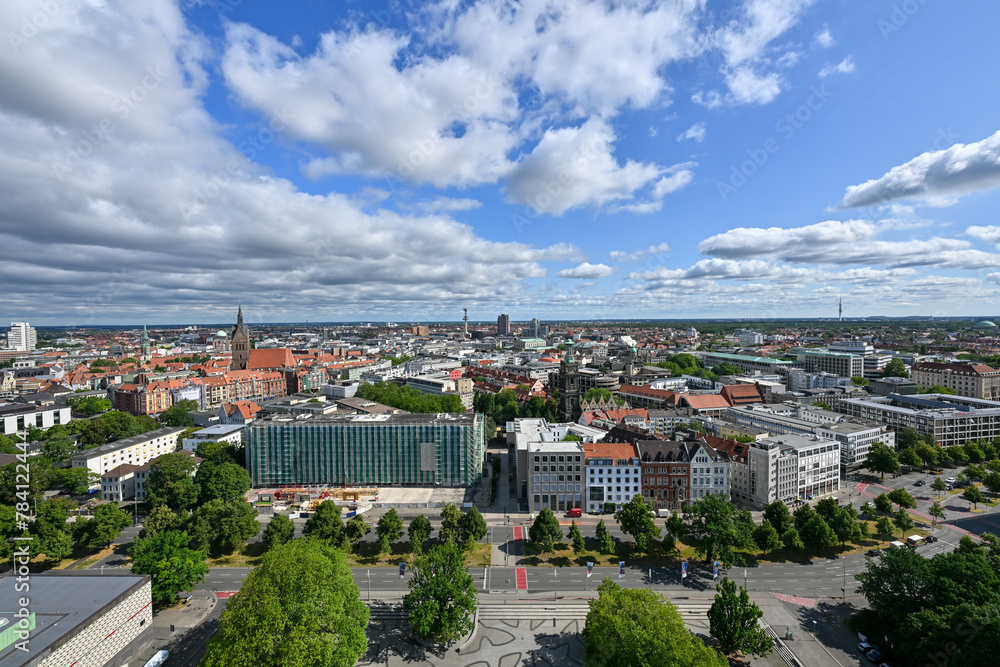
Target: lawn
x,y
366,555
249,557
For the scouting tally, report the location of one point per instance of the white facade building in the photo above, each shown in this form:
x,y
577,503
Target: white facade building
x,y
136,450
21,337
613,474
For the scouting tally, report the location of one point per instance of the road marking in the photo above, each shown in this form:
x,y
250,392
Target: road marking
x,y
522,579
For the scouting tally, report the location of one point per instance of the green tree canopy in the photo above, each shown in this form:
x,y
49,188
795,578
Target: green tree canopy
x,y
221,481
108,522
902,498
640,628
299,608
637,518
325,524
733,620
882,459
817,533
441,604
576,537
472,527
777,515
895,369
280,530
545,531
355,530
410,399
605,543
419,532
223,526
174,566
171,483
716,529
897,582
177,414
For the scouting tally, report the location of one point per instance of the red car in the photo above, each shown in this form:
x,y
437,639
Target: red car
x,y
574,511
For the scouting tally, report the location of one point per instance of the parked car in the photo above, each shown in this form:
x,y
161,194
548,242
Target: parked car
x,y
574,511
872,552
949,480
919,482
931,538
864,647
948,487
874,655
961,483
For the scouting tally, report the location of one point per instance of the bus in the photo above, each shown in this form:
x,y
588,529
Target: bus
x,y
936,470
158,659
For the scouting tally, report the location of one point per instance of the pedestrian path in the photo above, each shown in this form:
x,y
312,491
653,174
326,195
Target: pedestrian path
x,y
522,578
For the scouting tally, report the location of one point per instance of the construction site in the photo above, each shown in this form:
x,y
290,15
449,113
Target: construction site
x,y
305,498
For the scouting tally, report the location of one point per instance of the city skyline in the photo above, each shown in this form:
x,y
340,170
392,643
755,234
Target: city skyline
x,y
561,160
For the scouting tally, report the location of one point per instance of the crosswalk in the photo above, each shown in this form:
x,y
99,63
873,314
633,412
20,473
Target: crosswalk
x,y
693,610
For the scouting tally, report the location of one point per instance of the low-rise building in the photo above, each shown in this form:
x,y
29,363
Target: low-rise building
x,y
135,450
228,433
17,418
965,378
948,420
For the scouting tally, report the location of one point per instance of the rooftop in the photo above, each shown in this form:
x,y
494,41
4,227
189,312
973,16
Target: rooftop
x,y
747,358
461,419
63,605
126,442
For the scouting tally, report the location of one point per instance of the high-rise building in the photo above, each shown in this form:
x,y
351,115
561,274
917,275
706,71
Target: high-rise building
x,y
503,325
536,328
21,337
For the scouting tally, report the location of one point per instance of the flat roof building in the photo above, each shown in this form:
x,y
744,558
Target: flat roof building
x,y
747,363
135,450
948,420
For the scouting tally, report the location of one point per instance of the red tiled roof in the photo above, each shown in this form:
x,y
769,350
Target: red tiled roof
x,y
609,450
706,401
268,358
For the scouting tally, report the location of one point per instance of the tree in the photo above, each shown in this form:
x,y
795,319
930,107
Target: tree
x,y
605,543
159,519
827,508
299,608
868,510
732,620
325,524
907,438
59,448
896,583
75,480
911,458
108,522
441,604
170,482
817,533
766,537
640,628
177,414
280,530
419,532
802,516
860,381
902,520
451,524
777,515
902,498
87,406
545,531
928,453
223,526
355,530
173,565
222,481
577,538
936,511
895,369
638,519
472,527
882,459
974,496
845,526
717,529
884,526
991,481
389,529
38,482
883,503
790,538
57,546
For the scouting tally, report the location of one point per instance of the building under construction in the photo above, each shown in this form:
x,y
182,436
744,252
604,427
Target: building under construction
x,y
367,450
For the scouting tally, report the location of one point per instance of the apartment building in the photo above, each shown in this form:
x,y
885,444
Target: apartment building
x,y
967,379
21,337
821,360
805,467
136,450
665,473
612,474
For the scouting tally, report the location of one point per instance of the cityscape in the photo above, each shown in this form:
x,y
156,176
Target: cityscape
x,y
607,333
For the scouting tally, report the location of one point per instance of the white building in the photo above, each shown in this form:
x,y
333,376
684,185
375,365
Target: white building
x,y
806,466
711,472
21,337
229,433
613,474
136,450
550,468
15,419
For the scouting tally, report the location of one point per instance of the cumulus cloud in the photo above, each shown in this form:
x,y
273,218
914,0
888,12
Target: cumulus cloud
x,y
620,256
824,39
572,167
933,177
845,66
989,233
587,271
696,132
763,21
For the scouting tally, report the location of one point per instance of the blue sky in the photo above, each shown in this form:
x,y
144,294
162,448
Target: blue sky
x,y
553,159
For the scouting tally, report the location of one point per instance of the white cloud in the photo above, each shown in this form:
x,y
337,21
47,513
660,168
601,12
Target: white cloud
x,y
990,233
824,39
748,87
696,132
587,271
845,66
763,21
619,256
933,177
572,167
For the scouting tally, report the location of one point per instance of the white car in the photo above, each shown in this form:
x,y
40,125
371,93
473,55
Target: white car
x,y
950,480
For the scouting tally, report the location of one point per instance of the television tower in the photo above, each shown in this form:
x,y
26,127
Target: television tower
x,y
466,320
840,310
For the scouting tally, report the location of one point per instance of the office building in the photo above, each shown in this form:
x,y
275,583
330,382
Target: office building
x,y
367,450
503,325
21,337
856,439
17,418
749,337
947,419
536,328
75,619
749,364
844,364
549,469
965,378
612,474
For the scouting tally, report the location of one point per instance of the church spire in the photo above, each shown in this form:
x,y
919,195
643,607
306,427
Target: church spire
x,y
239,316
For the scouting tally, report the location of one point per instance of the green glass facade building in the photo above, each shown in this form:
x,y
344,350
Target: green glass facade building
x,y
367,450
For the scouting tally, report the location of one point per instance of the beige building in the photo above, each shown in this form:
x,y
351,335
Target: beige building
x,y
967,379
134,451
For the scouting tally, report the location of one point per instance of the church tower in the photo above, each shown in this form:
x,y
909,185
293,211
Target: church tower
x,y
240,341
569,387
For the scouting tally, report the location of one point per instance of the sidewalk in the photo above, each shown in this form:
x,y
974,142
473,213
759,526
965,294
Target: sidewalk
x,y
170,626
